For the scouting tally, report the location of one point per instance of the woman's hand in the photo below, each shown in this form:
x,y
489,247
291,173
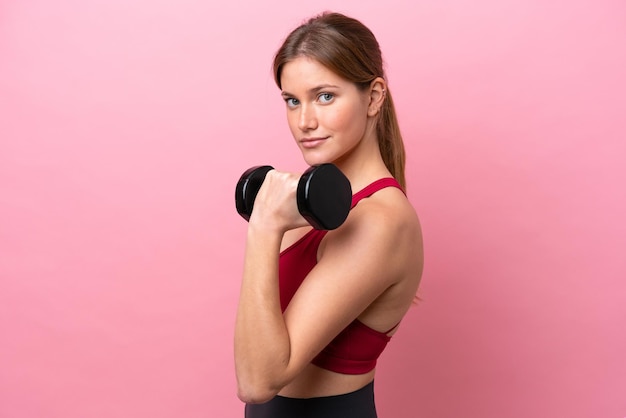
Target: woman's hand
x,y
275,206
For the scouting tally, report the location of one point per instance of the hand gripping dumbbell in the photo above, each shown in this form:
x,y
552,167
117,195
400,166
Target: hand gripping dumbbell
x,y
324,195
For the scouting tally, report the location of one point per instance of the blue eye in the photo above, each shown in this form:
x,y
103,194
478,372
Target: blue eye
x,y
291,102
326,97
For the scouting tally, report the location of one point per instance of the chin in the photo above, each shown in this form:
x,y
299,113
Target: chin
x,y
316,159
311,161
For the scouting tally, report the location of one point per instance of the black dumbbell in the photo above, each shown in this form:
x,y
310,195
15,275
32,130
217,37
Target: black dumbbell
x,y
324,194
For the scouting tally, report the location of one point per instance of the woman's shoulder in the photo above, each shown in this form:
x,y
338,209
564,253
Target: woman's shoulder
x,y
386,221
389,207
380,244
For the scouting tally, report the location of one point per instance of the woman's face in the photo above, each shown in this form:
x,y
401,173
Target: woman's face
x,y
327,114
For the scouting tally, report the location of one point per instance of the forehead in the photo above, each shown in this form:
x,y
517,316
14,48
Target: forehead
x,y
304,73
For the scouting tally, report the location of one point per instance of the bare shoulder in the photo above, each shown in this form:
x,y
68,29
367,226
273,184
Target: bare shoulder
x,y
385,229
390,206
389,216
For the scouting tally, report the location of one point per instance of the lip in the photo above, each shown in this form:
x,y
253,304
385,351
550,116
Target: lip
x,y
312,142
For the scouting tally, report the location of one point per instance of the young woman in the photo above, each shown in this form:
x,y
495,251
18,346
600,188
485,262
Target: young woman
x,y
317,308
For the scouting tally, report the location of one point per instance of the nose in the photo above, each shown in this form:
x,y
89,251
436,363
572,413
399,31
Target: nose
x,y
307,119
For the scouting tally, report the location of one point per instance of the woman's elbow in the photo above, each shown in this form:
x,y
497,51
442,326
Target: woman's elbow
x,y
254,394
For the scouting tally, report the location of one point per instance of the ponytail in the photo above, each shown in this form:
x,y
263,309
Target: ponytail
x,y
390,140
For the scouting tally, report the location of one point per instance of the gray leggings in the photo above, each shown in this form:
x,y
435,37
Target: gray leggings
x,y
358,404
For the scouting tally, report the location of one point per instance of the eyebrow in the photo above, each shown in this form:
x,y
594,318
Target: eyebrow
x,y
311,90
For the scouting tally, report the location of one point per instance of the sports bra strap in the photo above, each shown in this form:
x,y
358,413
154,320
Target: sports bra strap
x,y
373,188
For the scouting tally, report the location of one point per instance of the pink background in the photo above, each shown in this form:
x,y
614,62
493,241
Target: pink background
x,y
124,126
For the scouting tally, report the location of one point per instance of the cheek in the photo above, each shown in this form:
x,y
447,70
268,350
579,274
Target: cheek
x,y
292,121
347,119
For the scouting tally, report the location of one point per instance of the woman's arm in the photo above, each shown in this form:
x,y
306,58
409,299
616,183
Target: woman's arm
x,y
261,336
262,346
360,261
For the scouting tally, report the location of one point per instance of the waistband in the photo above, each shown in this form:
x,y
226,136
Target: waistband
x,y
357,404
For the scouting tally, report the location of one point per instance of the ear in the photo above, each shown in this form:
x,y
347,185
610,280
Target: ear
x,y
377,90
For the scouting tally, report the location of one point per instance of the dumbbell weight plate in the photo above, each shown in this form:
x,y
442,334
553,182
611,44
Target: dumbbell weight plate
x,y
324,196
248,187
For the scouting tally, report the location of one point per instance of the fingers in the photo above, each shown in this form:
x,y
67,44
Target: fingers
x,y
276,203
